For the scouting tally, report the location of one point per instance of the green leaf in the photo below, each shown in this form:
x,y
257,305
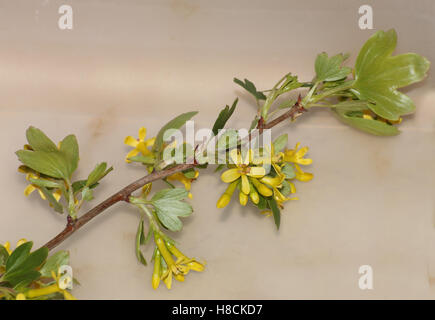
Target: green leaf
x,y
250,87
375,127
170,194
286,188
4,255
23,269
39,141
57,206
175,123
139,239
70,149
223,117
18,256
351,105
190,173
44,183
79,185
275,211
33,261
87,194
289,171
54,262
143,159
219,167
169,207
262,204
98,173
378,75
329,69
280,142
22,277
52,164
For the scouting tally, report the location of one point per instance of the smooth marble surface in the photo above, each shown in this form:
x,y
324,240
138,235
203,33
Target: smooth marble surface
x,y
128,64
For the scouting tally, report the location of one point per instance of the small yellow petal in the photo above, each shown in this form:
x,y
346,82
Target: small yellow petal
x,y
245,187
131,154
196,266
223,201
303,176
57,194
130,141
256,172
21,241
168,280
41,194
150,142
68,296
142,133
243,198
254,197
230,175
292,187
29,189
7,246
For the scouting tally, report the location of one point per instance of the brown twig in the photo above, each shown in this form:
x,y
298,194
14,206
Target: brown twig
x,y
124,194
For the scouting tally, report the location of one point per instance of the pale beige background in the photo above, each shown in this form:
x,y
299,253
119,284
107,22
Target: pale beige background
x,y
136,63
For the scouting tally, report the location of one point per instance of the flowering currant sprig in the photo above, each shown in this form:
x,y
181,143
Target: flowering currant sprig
x,y
365,96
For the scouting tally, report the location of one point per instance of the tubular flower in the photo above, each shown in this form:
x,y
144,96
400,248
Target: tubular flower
x,y
165,266
60,285
157,272
7,245
226,196
179,176
242,170
297,156
140,145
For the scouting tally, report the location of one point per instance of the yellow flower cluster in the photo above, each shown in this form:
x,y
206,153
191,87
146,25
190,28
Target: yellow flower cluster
x,y
144,146
165,266
249,175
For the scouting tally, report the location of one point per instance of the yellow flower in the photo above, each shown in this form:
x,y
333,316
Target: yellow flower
x,y
295,156
276,184
7,245
190,263
242,170
179,176
60,286
140,145
165,267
